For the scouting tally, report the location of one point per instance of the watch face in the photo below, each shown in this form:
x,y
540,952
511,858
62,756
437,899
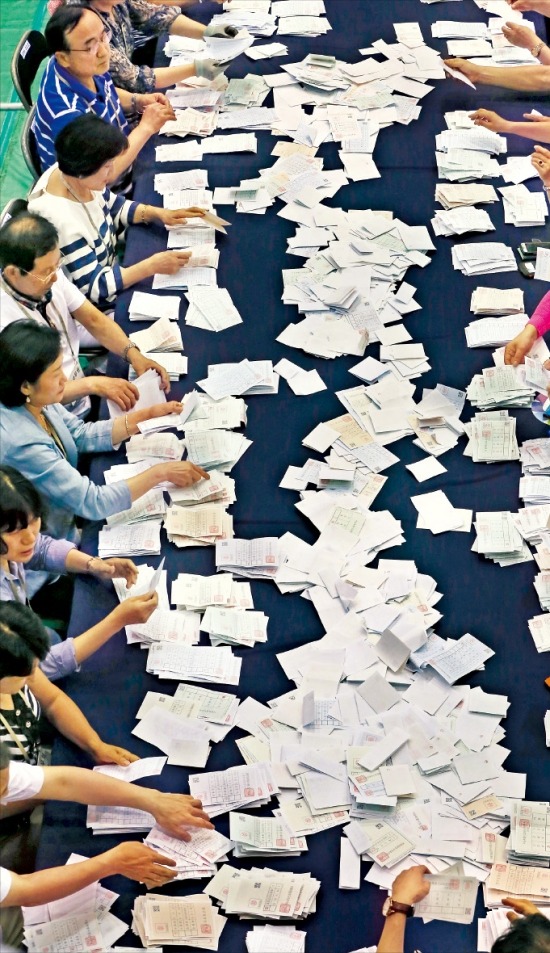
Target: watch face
x,y
387,907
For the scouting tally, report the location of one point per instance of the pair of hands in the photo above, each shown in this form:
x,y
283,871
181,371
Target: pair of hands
x,y
169,262
123,392
156,110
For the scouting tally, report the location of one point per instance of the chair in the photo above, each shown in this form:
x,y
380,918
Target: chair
x,y
29,53
28,147
11,209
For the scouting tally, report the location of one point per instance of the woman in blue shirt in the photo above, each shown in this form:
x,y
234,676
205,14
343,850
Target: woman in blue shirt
x,y
43,440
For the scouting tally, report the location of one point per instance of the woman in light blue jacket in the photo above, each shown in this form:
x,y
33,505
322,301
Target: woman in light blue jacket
x,y
42,439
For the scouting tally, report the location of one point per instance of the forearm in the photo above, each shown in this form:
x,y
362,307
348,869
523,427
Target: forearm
x,y
393,934
168,75
538,131
92,787
149,213
138,272
136,140
127,426
71,723
185,26
143,482
106,332
74,390
43,886
523,78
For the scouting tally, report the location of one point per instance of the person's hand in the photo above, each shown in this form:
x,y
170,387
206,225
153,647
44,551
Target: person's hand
x,y
103,753
114,568
137,609
534,117
523,907
147,99
209,69
179,216
470,70
154,117
183,473
122,392
141,863
222,30
540,159
159,410
176,812
489,120
534,6
169,262
518,347
142,363
519,35
410,885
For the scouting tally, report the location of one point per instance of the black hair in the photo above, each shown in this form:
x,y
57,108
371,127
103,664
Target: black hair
x,y
63,22
24,238
526,935
86,144
23,640
20,503
27,349
5,756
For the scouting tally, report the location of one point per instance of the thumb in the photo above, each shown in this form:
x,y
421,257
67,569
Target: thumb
x,y
512,916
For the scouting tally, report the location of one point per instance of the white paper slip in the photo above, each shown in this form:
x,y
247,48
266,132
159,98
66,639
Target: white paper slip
x,y
542,266
380,751
350,866
143,768
426,469
148,307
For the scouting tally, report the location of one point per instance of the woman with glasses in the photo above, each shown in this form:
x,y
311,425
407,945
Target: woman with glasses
x,y
42,440
91,219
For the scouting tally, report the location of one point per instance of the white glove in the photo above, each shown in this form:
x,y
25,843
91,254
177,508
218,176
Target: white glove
x,y
222,30
209,69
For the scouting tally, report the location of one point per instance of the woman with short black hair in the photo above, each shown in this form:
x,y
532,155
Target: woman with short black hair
x,y
91,220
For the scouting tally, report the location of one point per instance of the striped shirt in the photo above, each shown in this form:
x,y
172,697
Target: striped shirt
x,y
62,98
23,720
88,237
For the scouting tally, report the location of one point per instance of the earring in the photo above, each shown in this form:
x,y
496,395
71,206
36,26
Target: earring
x,y
27,399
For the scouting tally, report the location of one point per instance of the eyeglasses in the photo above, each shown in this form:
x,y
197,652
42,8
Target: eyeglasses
x,y
47,277
94,45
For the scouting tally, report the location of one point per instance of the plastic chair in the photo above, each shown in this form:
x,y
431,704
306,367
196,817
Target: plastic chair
x,y
11,209
28,147
29,53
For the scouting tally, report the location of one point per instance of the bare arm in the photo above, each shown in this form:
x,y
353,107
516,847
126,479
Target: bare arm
x,y
537,127
523,78
133,611
185,26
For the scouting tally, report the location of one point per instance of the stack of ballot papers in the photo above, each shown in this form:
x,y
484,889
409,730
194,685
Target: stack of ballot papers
x,y
492,438
201,525
528,820
166,625
250,91
498,539
227,413
150,394
264,894
542,585
534,489
245,378
150,506
483,258
118,820
211,309
257,20
80,921
504,386
177,921
459,221
196,593
190,122
215,449
148,307
141,538
234,626
194,859
163,335
263,837
183,725
477,139
155,446
250,785
522,207
455,196
194,663
539,627
219,488
494,301
266,938
254,558
174,363
493,332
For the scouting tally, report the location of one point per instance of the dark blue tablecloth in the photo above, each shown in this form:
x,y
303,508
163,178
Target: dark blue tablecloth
x,y
479,597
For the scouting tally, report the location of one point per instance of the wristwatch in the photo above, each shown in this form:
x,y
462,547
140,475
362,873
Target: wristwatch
x,y
393,906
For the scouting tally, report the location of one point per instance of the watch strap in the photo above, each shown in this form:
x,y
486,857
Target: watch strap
x,y
396,907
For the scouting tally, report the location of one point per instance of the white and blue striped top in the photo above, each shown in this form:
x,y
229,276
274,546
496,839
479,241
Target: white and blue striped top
x,y
62,98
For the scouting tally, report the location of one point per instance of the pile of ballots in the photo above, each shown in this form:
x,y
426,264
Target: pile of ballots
x,y
503,386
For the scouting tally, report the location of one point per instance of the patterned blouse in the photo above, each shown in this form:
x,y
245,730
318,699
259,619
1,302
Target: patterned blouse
x,y
128,19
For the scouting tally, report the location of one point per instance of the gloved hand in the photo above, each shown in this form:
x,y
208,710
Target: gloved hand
x,y
209,69
224,31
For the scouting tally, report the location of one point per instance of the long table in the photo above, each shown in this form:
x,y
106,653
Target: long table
x,y
479,597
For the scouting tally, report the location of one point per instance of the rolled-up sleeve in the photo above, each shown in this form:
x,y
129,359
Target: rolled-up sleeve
x,y
50,554
60,661
540,318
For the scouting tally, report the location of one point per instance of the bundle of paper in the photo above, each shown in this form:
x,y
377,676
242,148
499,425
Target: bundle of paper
x,y
493,332
534,489
148,307
539,627
177,921
194,664
483,258
118,820
267,938
197,592
194,859
219,488
267,51
227,413
542,585
255,18
190,122
234,626
199,525
174,364
158,446
225,49
303,26
216,449
454,196
503,386
522,207
211,309
150,392
263,837
477,139
463,165
436,513
529,826
254,558
182,96
459,221
148,580
255,117
535,457
130,539
499,540
246,378
495,301
532,522
150,506
217,708
492,438
166,625
184,725
165,182
517,169
163,335
235,788
250,91
264,894
452,29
